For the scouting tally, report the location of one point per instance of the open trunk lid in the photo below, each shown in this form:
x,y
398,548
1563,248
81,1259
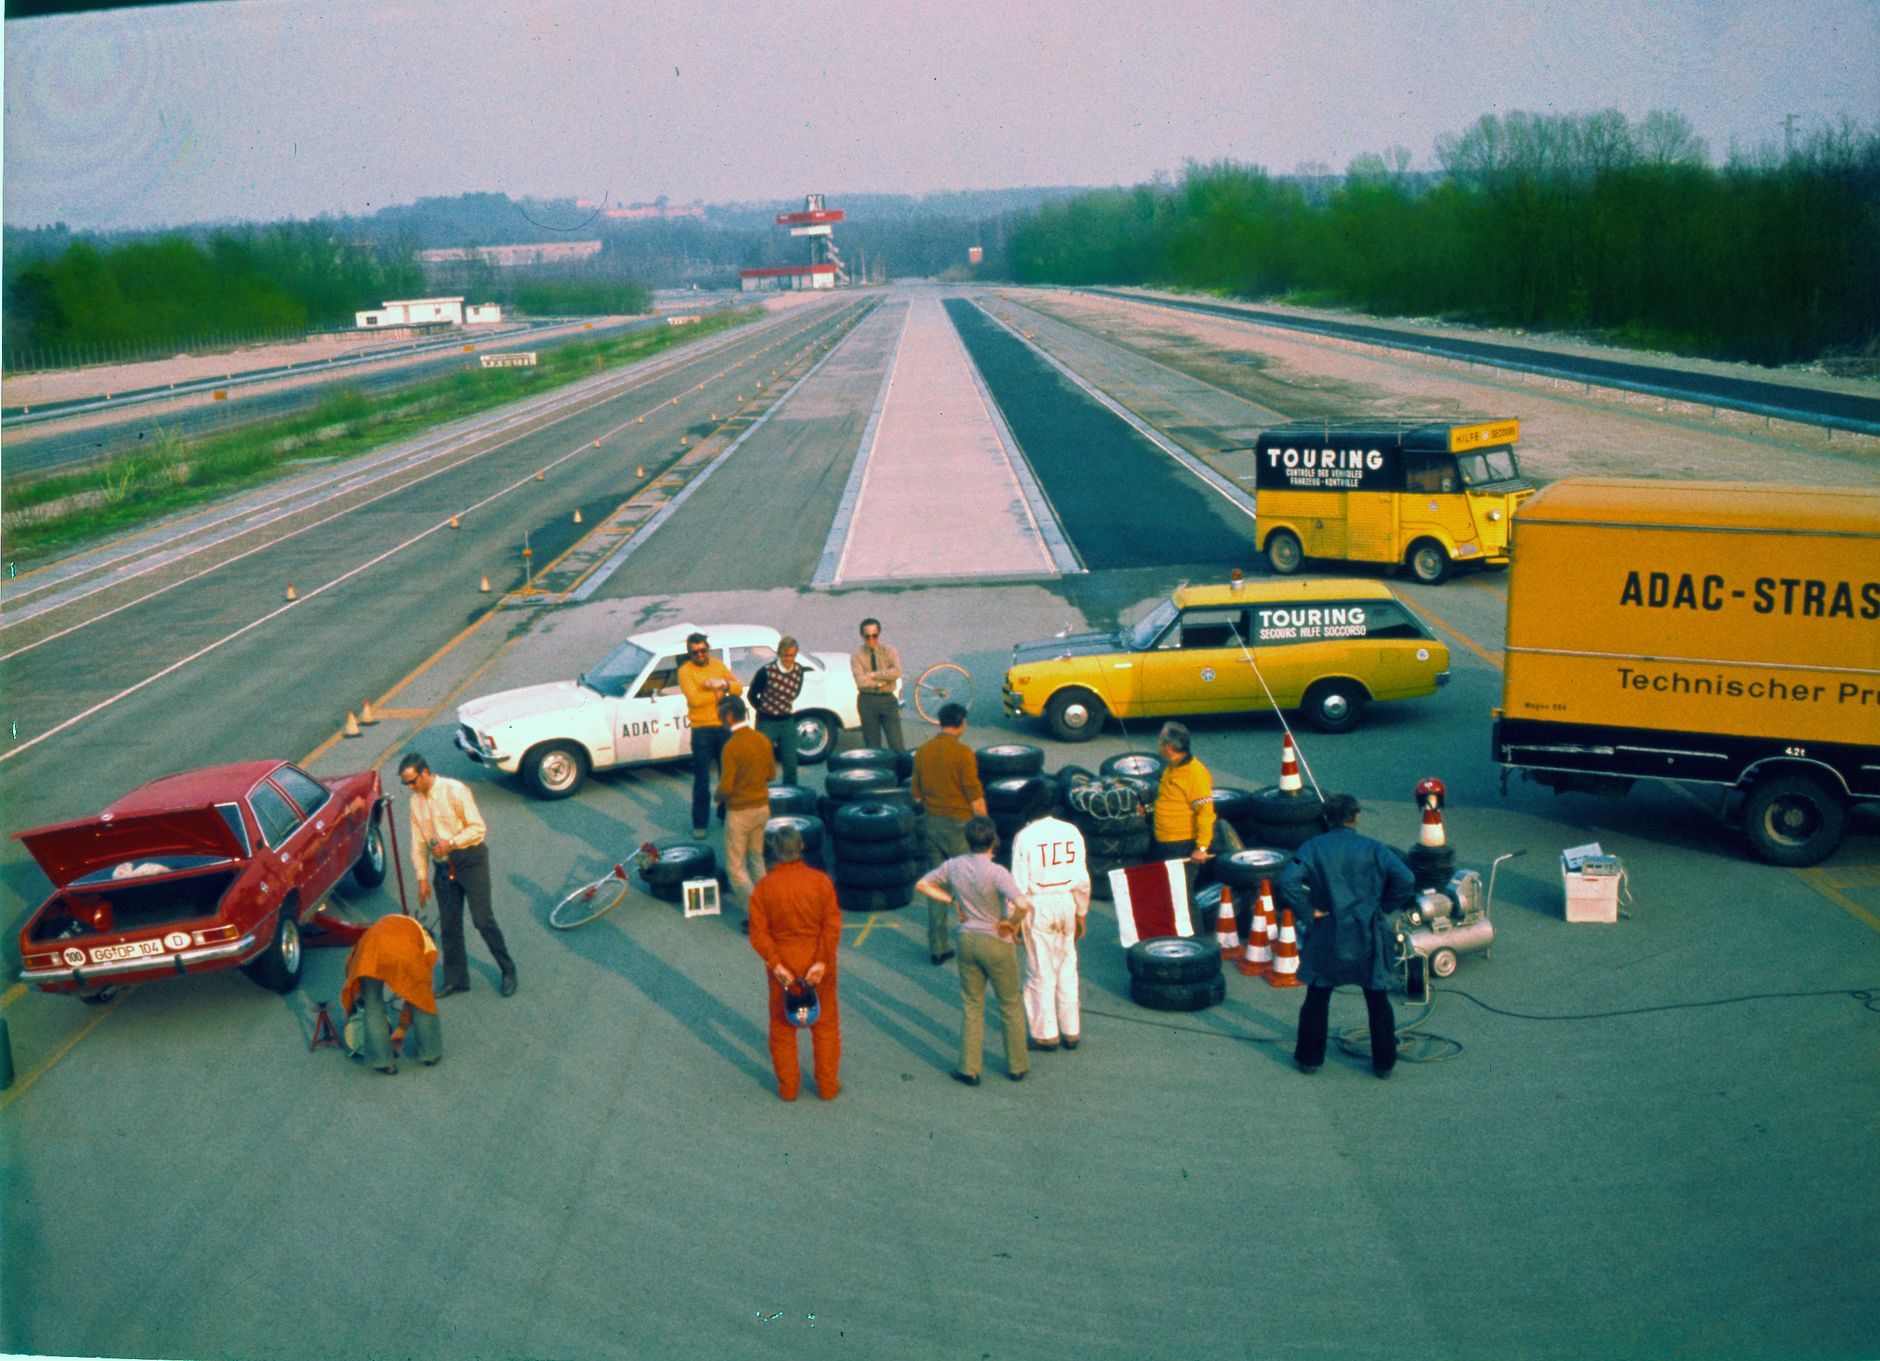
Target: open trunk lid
x,y
69,851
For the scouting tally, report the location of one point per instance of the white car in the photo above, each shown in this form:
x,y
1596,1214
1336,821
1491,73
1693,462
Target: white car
x,y
629,709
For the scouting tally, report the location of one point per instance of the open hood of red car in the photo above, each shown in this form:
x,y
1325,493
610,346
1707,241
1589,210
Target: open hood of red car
x,y
71,850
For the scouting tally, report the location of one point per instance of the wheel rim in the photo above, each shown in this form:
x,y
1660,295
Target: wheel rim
x,y
1335,706
557,771
811,736
1284,553
1793,820
1427,563
290,941
1443,964
1075,714
1141,767
375,848
1171,949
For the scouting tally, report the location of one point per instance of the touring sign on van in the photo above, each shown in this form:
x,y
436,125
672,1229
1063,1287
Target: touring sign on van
x,y
1430,496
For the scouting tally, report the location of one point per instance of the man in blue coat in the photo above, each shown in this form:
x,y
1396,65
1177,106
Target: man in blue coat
x,y
1343,887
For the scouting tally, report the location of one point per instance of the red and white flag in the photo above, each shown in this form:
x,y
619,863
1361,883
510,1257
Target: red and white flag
x,y
1151,900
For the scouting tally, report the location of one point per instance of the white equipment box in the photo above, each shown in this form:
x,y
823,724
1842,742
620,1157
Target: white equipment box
x,y
1590,881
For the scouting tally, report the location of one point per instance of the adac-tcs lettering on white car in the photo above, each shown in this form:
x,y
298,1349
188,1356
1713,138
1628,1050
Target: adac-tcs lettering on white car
x,y
628,709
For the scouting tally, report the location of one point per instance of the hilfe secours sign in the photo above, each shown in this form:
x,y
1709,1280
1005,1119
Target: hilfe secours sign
x,y
1308,623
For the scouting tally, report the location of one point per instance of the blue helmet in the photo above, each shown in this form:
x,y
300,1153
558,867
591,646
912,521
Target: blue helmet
x,y
801,1007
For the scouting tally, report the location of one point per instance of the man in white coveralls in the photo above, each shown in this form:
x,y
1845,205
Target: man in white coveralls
x,y
1052,870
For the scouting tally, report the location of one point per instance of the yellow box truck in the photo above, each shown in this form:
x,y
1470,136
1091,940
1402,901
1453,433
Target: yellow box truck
x,y
1717,633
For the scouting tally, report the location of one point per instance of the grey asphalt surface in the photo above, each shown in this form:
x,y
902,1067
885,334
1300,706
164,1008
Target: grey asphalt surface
x,y
600,1166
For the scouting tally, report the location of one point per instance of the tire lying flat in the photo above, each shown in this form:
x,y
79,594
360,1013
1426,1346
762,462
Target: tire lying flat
x,y
1178,996
1173,959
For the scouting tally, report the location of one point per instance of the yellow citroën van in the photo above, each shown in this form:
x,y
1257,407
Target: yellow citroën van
x,y
1329,647
1427,495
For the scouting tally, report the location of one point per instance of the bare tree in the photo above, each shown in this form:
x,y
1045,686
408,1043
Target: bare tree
x,y
1665,137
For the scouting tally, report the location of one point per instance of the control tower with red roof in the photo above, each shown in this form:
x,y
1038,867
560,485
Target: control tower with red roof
x,y
824,270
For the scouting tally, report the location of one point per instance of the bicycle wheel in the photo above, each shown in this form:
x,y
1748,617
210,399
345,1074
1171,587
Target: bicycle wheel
x,y
590,900
942,683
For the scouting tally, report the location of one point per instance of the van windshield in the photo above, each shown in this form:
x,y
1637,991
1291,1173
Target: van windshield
x,y
1142,634
1488,465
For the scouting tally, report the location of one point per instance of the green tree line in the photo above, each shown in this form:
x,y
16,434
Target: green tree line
x,y
1585,222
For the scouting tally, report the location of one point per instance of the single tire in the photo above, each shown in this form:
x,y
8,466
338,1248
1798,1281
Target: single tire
x,y
554,770
368,870
681,861
588,902
862,758
1273,806
1443,962
872,820
807,827
1284,836
895,874
903,766
852,899
1075,715
1794,820
1428,562
1012,794
941,684
1236,805
1007,759
816,735
1283,553
896,852
792,800
1134,766
1132,847
671,893
1335,705
278,967
846,786
1244,870
1174,959
1070,777
1178,996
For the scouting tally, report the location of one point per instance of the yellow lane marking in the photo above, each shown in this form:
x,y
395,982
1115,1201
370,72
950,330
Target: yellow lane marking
x,y
399,713
12,995
1818,880
1424,612
1482,585
867,926
874,920
20,1087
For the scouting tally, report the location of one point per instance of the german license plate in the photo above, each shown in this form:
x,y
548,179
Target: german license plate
x,y
134,949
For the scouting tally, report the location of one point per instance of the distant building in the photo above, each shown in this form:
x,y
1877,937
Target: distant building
x,y
633,212
508,257
413,312
784,277
482,314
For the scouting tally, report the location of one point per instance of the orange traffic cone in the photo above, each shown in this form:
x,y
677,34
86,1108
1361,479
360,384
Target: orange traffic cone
x,y
540,473
1226,927
292,594
484,585
639,470
1432,833
577,515
1286,958
1289,781
1259,956
456,523
366,717
352,724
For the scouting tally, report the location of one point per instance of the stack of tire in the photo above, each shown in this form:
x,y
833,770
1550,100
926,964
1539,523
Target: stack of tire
x,y
1176,973
792,805
877,847
1283,819
1243,870
677,862
1107,807
1011,773
1431,866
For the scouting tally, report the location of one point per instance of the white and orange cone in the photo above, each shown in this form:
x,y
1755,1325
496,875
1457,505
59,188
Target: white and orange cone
x,y
1286,958
1259,956
1432,833
1289,781
352,725
1226,925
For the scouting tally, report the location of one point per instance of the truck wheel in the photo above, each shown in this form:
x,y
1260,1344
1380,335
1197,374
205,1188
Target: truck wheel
x,y
369,870
1074,715
278,967
1335,706
1443,962
1428,562
1794,820
815,738
554,770
1283,553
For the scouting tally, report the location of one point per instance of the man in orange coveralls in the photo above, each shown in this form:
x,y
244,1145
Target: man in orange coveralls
x,y
795,929
396,953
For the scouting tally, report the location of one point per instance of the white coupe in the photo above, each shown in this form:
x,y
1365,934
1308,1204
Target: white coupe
x,y
628,710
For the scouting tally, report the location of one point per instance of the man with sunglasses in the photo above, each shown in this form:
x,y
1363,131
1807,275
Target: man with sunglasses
x,y
447,848
877,668
704,680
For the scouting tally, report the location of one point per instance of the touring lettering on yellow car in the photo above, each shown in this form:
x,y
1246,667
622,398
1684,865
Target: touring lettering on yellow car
x,y
1305,623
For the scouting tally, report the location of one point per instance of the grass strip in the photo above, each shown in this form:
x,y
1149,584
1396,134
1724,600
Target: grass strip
x,y
180,471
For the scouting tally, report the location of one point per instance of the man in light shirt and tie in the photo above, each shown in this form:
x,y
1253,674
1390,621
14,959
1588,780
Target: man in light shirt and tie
x,y
447,836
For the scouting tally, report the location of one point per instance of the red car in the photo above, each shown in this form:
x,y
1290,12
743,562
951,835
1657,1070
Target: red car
x,y
199,871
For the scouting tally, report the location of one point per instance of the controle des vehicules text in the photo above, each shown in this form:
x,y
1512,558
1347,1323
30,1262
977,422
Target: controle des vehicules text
x,y
1327,647
628,709
205,870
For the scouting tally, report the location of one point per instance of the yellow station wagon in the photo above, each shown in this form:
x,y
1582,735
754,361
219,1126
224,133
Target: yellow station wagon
x,y
1328,647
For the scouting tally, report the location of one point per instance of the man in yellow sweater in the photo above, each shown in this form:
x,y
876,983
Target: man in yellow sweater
x,y
1184,804
744,790
704,680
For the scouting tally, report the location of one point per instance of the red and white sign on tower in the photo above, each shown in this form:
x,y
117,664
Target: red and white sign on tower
x,y
825,268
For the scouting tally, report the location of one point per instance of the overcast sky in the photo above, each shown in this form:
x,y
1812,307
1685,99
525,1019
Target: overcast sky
x,y
263,109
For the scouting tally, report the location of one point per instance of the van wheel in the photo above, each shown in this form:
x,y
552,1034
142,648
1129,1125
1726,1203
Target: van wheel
x,y
1335,706
1074,715
1428,562
554,771
1283,553
1794,820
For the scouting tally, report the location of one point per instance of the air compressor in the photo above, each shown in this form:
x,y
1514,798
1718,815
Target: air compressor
x,y
1446,923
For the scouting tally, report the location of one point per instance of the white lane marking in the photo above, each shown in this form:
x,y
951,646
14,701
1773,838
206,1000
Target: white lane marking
x,y
836,548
